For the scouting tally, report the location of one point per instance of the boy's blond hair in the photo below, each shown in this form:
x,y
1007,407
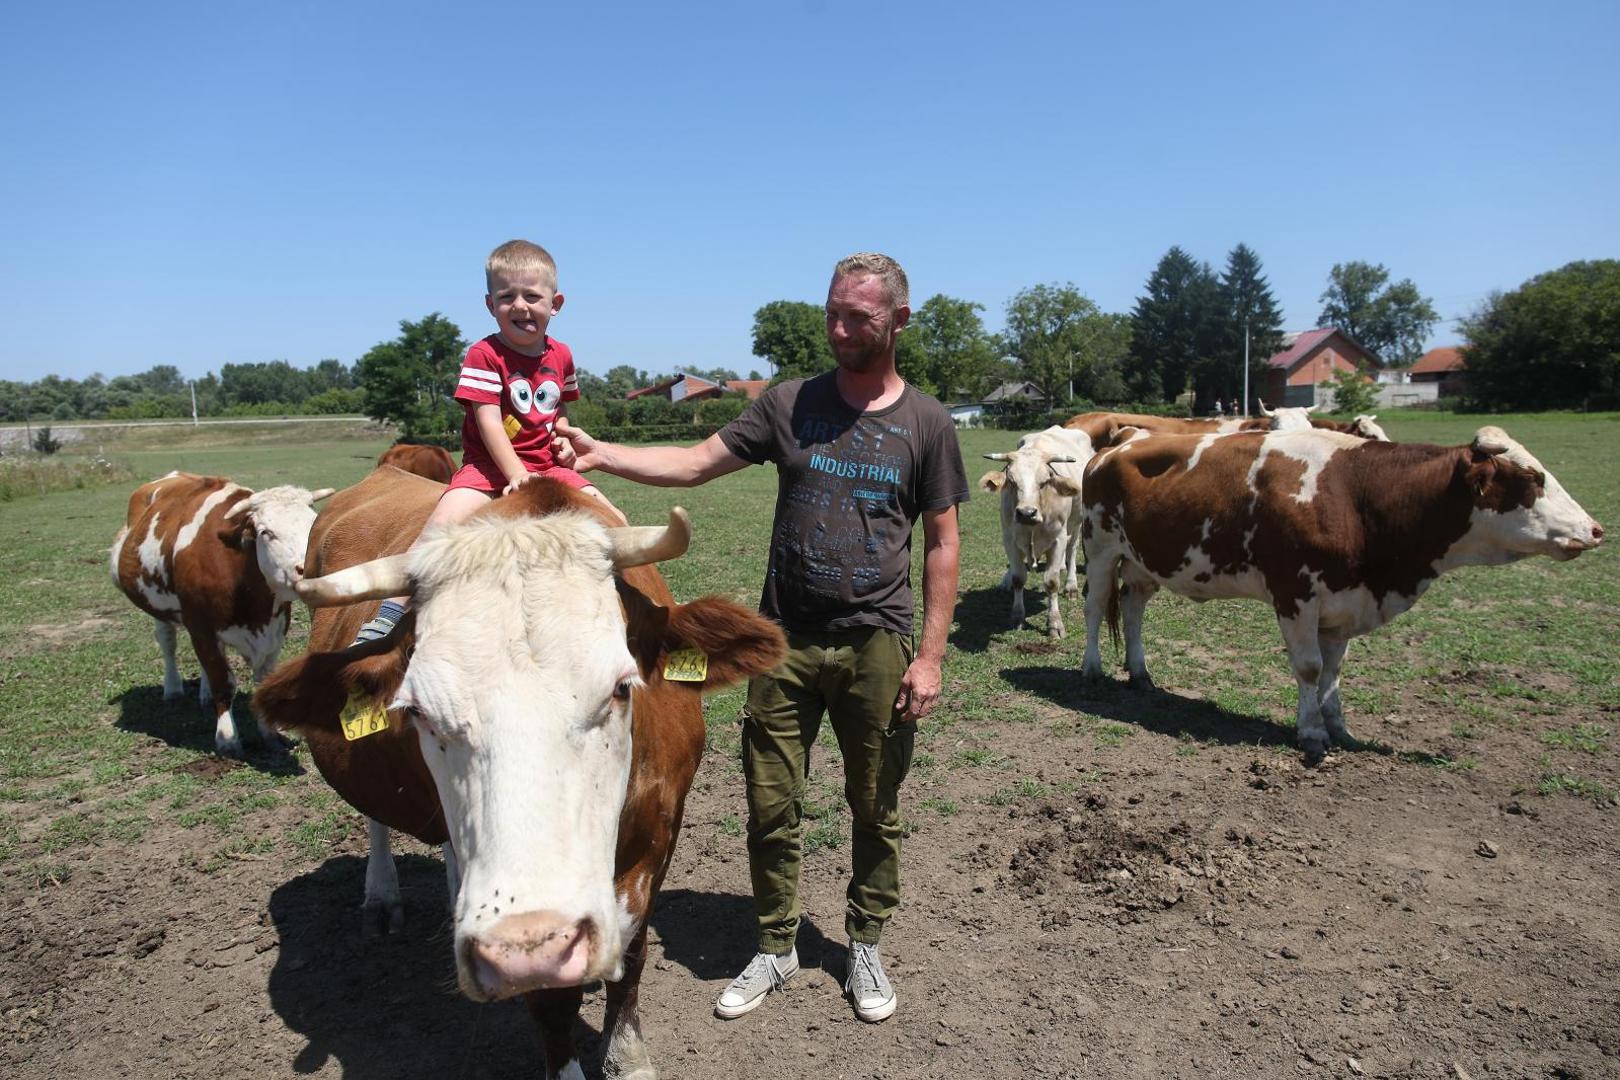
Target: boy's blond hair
x,y
882,267
519,257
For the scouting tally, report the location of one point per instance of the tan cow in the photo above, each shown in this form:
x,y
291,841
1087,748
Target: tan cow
x,y
1040,515
221,561
540,715
432,462
1339,535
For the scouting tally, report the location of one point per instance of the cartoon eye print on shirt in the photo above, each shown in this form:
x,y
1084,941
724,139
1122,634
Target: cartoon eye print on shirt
x,y
536,405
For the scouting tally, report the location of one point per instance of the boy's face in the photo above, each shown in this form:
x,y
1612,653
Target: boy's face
x,y
523,304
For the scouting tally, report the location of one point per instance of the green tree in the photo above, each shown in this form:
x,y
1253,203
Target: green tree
x,y
1393,321
1552,343
1352,392
792,336
409,381
622,378
956,352
1175,329
1245,301
1058,336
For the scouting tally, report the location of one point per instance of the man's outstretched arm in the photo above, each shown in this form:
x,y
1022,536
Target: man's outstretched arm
x,y
661,466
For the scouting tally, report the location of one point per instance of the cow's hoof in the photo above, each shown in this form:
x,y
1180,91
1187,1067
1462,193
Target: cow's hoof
x,y
231,748
378,918
1093,676
175,694
1144,681
1345,738
1315,748
1056,632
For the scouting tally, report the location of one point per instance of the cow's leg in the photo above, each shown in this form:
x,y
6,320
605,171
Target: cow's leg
x,y
1305,654
627,1057
1071,557
554,1012
167,636
1101,581
382,912
216,691
1017,573
1136,590
1327,691
1052,580
263,664
452,874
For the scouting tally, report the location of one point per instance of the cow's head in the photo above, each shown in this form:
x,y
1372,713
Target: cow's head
x,y
1031,484
530,652
1365,427
1519,507
1288,418
276,523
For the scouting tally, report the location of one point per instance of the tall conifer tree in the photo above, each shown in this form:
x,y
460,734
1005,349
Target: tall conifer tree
x,y
1244,295
1175,328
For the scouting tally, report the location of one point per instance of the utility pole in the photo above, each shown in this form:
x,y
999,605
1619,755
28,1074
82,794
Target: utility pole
x,y
193,385
1245,367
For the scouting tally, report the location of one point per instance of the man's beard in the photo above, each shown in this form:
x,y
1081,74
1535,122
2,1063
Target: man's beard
x,y
859,361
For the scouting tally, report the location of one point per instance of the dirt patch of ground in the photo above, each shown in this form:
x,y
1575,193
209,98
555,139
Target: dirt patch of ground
x,y
1102,904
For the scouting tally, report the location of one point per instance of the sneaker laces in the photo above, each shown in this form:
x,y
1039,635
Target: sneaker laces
x,y
752,972
865,971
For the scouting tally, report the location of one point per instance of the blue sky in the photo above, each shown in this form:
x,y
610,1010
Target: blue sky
x,y
201,184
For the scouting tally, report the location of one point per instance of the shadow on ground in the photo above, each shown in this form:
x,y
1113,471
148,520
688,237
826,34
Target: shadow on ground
x,y
981,614
1152,710
182,723
713,935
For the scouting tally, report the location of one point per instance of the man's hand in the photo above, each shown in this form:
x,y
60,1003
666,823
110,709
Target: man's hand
x,y
572,448
919,689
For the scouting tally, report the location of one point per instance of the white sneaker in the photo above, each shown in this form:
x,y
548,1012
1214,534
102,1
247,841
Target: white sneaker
x,y
764,973
868,988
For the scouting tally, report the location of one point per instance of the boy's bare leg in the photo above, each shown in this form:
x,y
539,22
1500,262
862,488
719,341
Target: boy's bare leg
x,y
455,505
593,490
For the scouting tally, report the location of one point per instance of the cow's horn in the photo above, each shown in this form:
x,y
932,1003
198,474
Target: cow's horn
x,y
1263,410
321,493
1492,440
638,545
999,457
368,581
1061,460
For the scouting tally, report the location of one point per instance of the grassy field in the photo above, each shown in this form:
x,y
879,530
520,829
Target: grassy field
x,y
90,755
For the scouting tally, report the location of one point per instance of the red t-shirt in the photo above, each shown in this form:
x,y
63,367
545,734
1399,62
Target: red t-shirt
x,y
529,390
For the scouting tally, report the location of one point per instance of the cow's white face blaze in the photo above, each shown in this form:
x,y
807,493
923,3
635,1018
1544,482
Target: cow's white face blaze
x,y
279,519
1030,472
524,716
1291,418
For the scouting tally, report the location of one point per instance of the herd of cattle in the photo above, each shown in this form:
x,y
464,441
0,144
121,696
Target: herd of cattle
x,y
539,641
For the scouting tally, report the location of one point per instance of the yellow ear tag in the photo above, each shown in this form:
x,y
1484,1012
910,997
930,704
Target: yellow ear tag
x,y
686,665
512,427
362,716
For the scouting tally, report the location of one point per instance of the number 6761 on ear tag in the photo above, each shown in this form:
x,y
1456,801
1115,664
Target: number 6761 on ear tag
x,y
686,665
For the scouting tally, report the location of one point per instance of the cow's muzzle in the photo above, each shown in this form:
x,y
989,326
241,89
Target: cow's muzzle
x,y
530,951
1027,515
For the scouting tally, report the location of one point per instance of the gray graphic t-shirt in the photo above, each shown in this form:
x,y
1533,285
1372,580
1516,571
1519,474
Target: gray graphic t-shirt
x,y
850,486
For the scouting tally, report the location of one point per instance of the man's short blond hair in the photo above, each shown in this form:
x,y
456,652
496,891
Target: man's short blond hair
x,y
519,257
882,267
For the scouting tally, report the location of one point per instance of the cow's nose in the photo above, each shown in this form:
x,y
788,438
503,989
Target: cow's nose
x,y
533,950
1028,513
299,569
1597,532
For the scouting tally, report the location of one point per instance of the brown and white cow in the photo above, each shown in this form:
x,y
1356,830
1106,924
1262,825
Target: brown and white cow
x,y
1040,515
530,723
1338,534
1107,429
432,462
221,561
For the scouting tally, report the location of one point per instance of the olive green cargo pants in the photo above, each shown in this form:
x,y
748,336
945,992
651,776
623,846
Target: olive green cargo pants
x,y
853,676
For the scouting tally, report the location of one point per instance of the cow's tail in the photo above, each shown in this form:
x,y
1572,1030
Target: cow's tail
x,y
1113,604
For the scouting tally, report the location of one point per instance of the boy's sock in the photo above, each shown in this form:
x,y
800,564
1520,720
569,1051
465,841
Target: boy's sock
x,y
380,627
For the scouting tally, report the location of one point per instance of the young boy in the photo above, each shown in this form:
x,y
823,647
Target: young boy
x,y
515,385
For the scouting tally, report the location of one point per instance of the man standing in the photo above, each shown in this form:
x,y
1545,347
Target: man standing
x,y
860,455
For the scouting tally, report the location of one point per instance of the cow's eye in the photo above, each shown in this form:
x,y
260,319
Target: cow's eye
x,y
621,692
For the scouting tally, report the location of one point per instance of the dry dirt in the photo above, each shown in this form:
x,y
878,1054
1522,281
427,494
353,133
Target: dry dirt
x,y
1165,909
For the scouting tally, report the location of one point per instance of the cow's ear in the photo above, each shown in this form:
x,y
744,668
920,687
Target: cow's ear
x,y
736,643
1478,472
238,534
993,480
1063,485
308,694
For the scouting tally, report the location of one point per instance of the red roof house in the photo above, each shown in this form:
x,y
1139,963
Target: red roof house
x,y
1310,358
